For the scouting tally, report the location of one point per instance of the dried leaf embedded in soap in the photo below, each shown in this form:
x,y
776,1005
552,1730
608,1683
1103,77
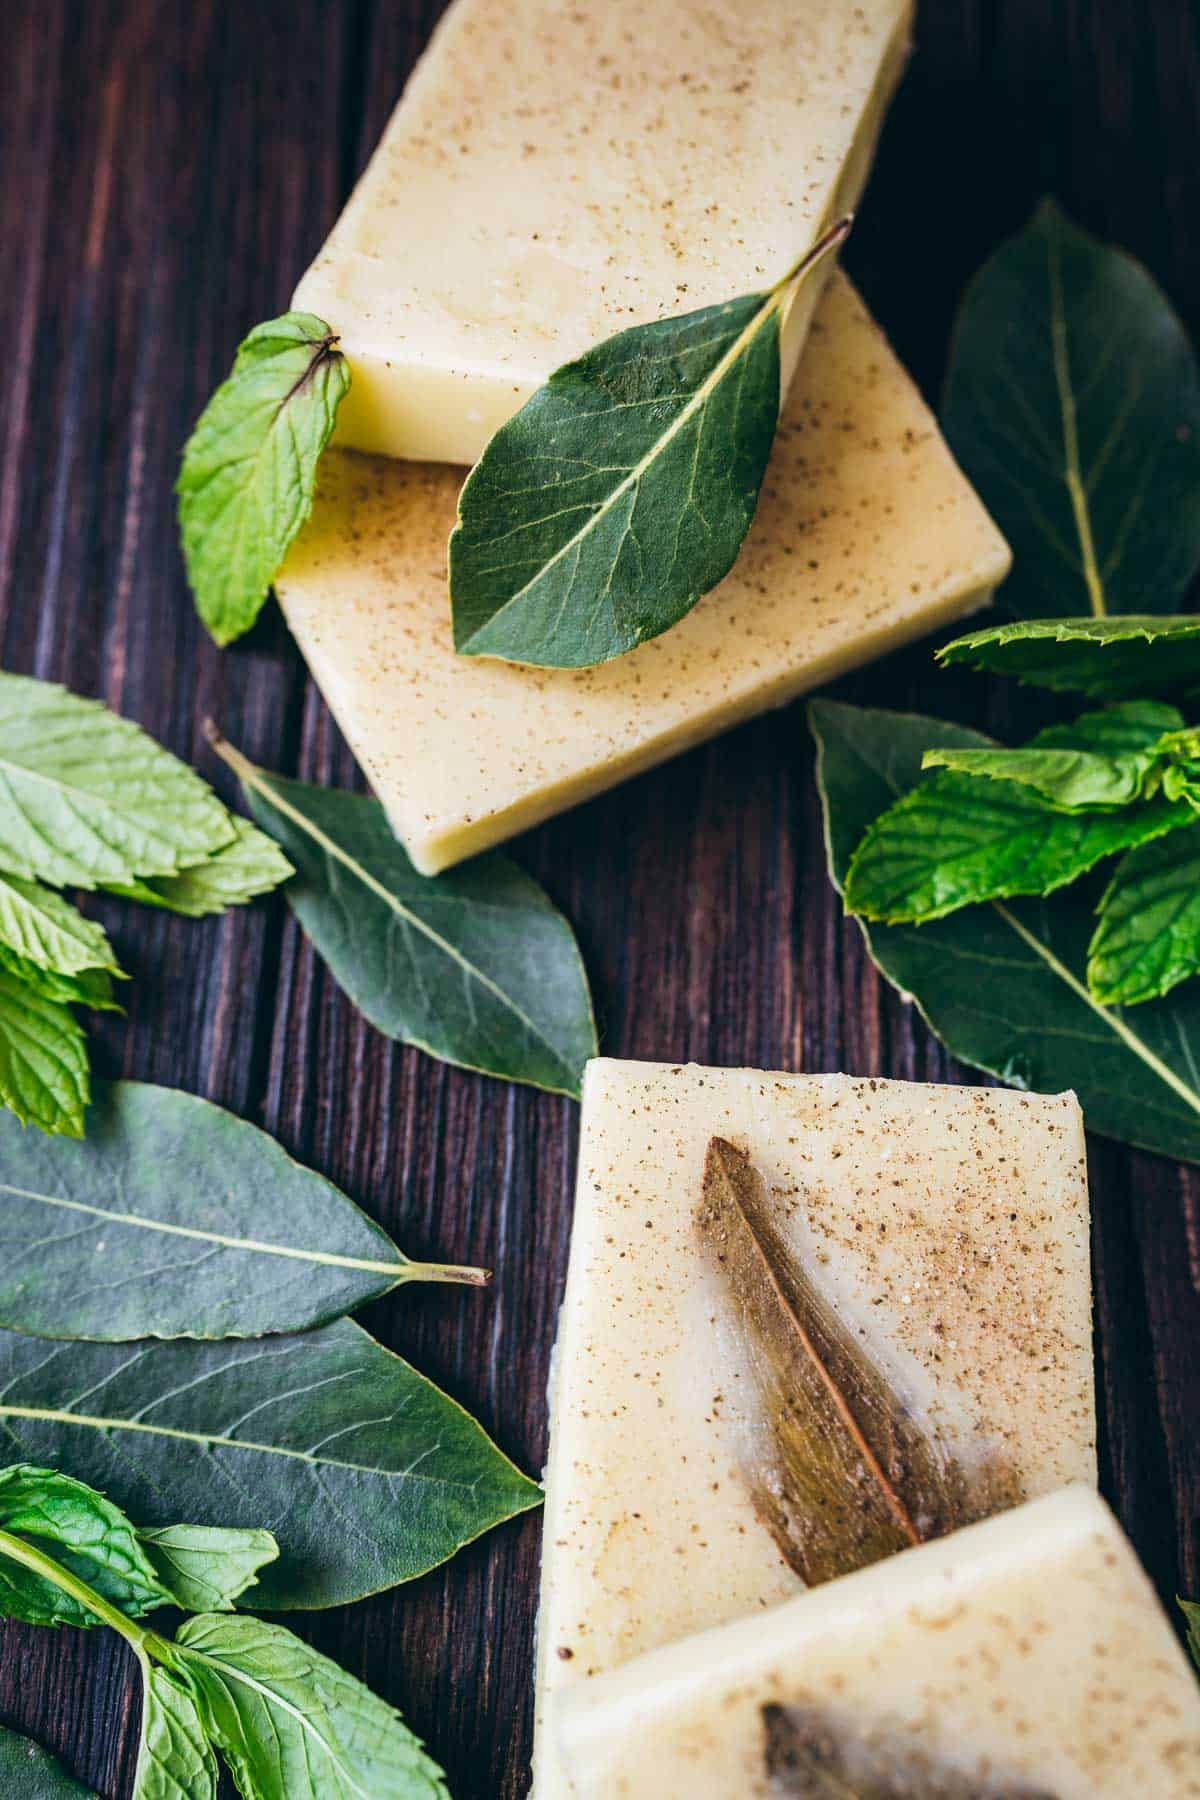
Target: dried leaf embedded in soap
x,y
622,491
810,1756
843,1474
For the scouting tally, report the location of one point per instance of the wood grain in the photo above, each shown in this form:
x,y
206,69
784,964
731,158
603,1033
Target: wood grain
x,y
170,166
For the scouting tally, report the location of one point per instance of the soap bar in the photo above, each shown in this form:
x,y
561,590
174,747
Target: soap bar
x,y
555,173
866,536
1027,1655
947,1225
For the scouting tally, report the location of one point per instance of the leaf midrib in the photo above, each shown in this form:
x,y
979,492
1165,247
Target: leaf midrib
x,y
254,1245
1073,473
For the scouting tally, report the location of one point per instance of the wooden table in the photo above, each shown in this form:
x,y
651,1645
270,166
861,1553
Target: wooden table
x,y
169,166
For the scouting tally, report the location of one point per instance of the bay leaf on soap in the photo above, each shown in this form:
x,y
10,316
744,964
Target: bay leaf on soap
x,y
1004,985
842,1473
1106,658
175,1218
1073,403
810,1754
621,492
364,1471
475,966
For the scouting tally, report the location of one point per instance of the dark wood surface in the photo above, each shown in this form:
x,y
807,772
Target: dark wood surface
x,y
168,170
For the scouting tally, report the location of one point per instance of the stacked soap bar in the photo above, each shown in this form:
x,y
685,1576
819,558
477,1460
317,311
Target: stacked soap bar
x,y
947,1225
866,536
555,173
1025,1658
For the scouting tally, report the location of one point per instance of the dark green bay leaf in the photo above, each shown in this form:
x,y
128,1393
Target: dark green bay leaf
x,y
175,1758
1004,985
43,1059
86,797
365,1473
622,491
177,1219
1073,403
246,483
1147,936
292,1724
1106,658
27,1772
474,966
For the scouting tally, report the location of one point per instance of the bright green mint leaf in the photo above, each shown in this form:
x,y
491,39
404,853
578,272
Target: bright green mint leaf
x,y
92,988
622,491
957,839
1102,761
253,864
475,966
84,1532
41,927
294,1726
176,1761
43,1059
87,798
1106,658
205,1568
1004,985
1073,403
249,467
27,1772
1147,939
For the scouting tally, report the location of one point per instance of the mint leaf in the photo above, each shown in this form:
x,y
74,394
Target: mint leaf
x,y
92,987
1107,658
475,966
292,1724
178,1219
251,865
27,1772
41,927
622,491
175,1759
205,1568
84,1532
43,1059
1073,403
1102,761
1004,986
87,798
1147,939
955,840
246,483
369,1474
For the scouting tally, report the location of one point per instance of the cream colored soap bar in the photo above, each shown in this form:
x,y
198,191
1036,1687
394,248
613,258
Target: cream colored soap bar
x,y
949,1224
558,170
866,536
1027,1654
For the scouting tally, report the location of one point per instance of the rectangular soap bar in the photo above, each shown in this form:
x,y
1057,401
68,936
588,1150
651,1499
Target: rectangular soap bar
x,y
557,172
947,1224
1028,1655
866,536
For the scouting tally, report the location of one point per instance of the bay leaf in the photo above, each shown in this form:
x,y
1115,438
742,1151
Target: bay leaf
x,y
27,1772
364,1471
1147,936
44,1077
1106,658
622,491
1004,985
474,966
1073,403
843,1474
811,1755
175,1218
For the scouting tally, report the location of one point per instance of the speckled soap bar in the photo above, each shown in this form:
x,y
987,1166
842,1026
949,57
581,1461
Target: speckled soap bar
x,y
558,170
1025,1658
948,1224
867,535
